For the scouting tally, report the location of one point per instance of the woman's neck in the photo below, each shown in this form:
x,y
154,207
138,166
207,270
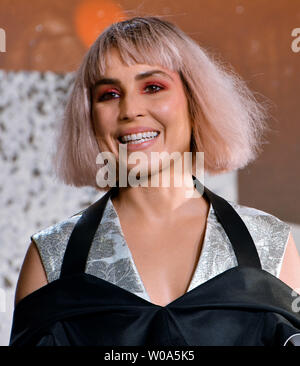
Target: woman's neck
x,y
159,201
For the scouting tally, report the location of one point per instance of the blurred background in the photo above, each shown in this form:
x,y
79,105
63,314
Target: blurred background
x,y
43,43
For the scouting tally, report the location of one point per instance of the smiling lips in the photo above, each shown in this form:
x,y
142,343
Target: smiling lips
x,y
137,138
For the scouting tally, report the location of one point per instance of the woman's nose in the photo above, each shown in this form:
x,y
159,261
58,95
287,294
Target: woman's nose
x,y
131,107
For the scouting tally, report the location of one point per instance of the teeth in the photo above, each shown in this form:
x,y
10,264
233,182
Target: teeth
x,y
139,137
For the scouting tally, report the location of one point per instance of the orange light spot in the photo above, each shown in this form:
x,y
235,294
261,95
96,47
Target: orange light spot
x,y
91,17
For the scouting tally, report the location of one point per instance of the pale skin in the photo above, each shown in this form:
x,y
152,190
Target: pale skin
x,y
164,251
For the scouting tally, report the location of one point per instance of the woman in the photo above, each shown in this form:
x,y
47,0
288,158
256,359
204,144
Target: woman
x,y
145,76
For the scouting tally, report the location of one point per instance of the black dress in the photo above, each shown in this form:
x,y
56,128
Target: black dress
x,y
243,306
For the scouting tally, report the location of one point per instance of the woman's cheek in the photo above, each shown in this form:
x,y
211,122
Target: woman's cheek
x,y
164,112
101,122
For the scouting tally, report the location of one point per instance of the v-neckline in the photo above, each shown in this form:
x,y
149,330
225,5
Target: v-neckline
x,y
131,258
245,251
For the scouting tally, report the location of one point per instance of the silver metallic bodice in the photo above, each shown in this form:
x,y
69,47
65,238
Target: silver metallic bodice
x,y
110,257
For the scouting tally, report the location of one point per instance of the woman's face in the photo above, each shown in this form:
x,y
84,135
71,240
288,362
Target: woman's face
x,y
134,103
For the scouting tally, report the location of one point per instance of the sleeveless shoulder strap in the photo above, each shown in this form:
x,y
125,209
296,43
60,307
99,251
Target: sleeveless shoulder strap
x,y
235,228
81,238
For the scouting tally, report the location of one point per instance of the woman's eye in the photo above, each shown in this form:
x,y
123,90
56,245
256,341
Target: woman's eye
x,y
156,86
103,96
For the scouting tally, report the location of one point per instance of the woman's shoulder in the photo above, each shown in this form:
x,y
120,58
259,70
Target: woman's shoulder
x,y
51,243
270,235
59,227
263,219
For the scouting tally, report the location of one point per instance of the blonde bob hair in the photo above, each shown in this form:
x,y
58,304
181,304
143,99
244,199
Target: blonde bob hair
x,y
227,120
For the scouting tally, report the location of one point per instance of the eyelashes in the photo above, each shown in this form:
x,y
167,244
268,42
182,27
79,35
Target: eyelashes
x,y
104,96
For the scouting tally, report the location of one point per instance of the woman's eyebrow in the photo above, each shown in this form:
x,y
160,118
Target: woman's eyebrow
x,y
141,76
